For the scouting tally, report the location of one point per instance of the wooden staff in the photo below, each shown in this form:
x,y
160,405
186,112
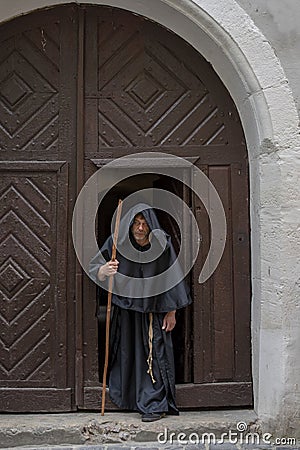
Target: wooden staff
x,y
110,286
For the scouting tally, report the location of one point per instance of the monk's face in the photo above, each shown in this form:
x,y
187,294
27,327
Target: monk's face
x,y
140,230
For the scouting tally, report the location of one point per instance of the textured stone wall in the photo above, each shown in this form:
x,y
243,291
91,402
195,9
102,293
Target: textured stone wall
x,y
279,21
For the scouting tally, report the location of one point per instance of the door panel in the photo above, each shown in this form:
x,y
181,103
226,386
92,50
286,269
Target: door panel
x,y
147,90
223,351
33,345
37,140
150,89
222,292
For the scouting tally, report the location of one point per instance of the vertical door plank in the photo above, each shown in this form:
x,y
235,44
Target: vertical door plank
x,y
241,270
223,313
202,296
38,136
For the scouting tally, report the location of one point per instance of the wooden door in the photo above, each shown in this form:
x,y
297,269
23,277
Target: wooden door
x,y
80,86
37,185
148,90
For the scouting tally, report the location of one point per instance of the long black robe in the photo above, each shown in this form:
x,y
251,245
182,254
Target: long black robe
x,y
130,385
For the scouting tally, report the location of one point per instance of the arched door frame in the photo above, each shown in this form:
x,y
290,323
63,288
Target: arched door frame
x,y
244,60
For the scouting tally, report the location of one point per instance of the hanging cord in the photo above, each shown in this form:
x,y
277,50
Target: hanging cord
x,y
150,358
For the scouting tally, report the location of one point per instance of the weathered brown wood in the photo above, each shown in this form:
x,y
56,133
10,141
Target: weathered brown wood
x,y
241,270
33,351
86,84
93,398
190,396
187,313
37,135
142,88
212,155
61,304
66,146
147,90
203,298
37,399
214,395
223,298
92,370
80,181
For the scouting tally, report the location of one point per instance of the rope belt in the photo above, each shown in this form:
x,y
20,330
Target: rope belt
x,y
150,358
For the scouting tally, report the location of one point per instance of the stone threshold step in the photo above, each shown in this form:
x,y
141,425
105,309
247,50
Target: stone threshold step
x,y
124,429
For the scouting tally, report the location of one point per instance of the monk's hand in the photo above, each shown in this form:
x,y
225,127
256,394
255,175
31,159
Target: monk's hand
x,y
108,269
169,321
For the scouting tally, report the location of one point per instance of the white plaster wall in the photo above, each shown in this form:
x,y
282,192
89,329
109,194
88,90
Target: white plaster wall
x,y
244,59
279,21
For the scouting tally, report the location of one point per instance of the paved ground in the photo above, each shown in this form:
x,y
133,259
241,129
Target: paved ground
x,y
225,446
207,430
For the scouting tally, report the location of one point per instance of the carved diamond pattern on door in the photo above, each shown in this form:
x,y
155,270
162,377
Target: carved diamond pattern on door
x,y
148,90
145,90
27,253
12,278
147,97
29,84
38,100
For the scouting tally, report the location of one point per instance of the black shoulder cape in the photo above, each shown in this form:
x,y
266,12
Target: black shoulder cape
x,y
137,297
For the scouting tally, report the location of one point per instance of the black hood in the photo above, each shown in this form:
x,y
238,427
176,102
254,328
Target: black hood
x,y
149,215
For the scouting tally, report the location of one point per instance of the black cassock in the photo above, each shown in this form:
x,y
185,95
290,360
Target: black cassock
x,y
142,372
